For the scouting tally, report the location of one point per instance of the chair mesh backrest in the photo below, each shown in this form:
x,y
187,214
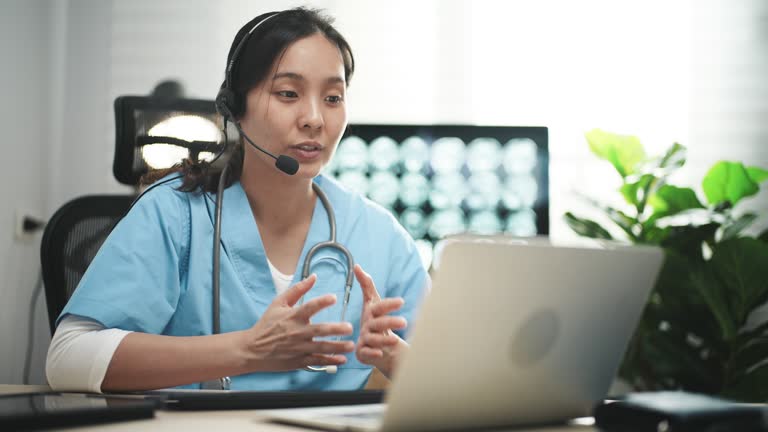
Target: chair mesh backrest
x,y
71,240
80,246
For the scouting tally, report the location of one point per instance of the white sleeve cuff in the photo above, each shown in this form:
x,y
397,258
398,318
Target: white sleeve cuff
x,y
79,354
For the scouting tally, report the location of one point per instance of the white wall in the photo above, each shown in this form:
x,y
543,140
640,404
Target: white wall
x,y
664,70
82,140
25,57
728,105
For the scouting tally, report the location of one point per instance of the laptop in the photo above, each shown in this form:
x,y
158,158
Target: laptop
x,y
515,332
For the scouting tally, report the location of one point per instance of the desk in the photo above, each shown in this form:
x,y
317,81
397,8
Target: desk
x,y
210,421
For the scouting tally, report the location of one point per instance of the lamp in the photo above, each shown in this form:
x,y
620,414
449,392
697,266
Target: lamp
x,y
157,132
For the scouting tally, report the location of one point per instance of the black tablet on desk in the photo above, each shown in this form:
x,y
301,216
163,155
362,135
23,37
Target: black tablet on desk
x,y
237,399
46,410
678,411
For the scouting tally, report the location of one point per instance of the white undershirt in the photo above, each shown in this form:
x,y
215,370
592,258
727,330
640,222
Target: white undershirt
x,y
282,281
82,348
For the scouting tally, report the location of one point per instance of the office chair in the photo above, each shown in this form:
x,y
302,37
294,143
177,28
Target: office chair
x,y
77,230
71,239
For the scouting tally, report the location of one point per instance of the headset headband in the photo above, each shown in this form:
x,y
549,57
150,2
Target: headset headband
x,y
230,66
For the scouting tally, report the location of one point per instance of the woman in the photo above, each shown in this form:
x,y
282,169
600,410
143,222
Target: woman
x,y
141,317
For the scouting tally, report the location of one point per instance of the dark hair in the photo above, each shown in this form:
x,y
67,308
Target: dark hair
x,y
256,58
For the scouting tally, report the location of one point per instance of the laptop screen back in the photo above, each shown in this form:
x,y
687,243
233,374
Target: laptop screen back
x,y
519,332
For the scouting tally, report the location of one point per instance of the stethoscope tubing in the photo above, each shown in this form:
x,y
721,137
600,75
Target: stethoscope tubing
x,y
329,244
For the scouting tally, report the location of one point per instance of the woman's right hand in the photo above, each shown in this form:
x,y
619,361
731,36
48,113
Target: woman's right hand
x,y
284,339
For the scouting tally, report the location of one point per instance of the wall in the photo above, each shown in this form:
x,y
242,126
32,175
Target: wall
x,y
25,55
82,143
728,105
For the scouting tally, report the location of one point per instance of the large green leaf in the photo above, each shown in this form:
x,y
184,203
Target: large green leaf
x,y
741,266
751,387
661,356
728,181
625,222
670,200
757,174
655,235
672,358
745,336
712,291
586,227
679,302
688,239
746,357
738,225
623,151
638,188
674,157
635,193
763,236
673,282
621,219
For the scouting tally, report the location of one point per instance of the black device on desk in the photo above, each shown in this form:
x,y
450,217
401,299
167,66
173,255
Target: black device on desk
x,y
45,410
234,399
677,411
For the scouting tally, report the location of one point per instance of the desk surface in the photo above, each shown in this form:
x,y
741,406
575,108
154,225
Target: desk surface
x,y
230,421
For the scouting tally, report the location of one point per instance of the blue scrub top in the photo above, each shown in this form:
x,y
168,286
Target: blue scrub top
x,y
153,272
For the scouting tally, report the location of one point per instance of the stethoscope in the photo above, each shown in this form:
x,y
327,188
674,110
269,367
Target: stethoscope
x,y
224,383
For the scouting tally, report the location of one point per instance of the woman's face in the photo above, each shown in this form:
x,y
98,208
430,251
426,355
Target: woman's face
x,y
299,110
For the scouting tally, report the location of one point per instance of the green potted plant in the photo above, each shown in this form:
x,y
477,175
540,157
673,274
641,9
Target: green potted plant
x,y
695,333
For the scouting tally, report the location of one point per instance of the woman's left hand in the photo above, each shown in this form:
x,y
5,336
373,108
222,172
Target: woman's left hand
x,y
378,345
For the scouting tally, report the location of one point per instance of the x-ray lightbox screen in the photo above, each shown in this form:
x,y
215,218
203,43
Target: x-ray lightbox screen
x,y
442,180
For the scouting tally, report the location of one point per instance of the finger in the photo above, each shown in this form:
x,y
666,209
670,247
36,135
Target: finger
x,y
323,360
328,329
386,322
378,340
325,347
294,293
366,315
368,355
305,311
366,283
386,306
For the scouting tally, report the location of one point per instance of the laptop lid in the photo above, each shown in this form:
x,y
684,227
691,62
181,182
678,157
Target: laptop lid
x,y
515,332
519,331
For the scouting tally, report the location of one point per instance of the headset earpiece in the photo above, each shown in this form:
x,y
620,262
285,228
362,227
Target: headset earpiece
x,y
226,103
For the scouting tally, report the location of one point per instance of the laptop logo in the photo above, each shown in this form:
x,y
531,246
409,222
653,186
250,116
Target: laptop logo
x,y
535,337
